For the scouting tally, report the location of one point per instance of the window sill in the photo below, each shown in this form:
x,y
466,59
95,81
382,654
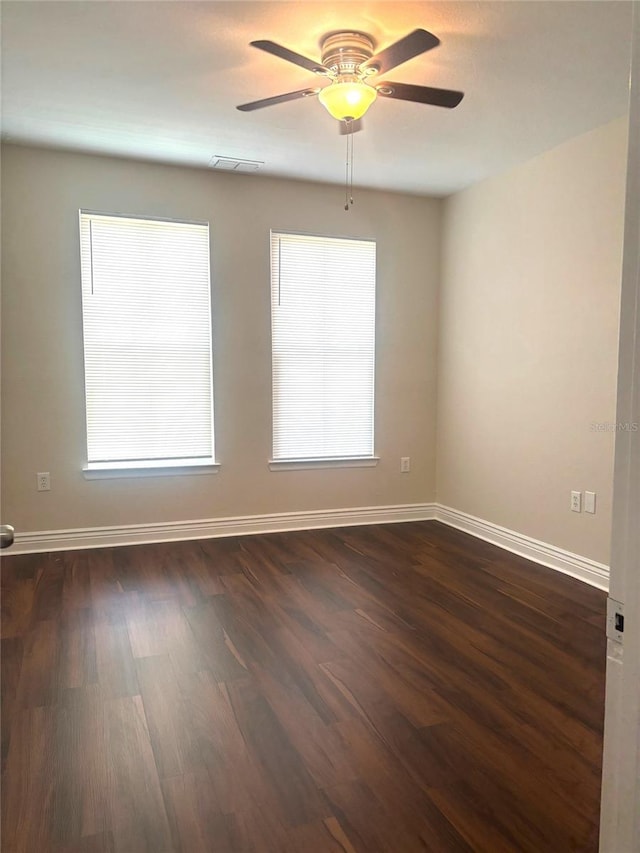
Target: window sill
x,y
301,464
155,468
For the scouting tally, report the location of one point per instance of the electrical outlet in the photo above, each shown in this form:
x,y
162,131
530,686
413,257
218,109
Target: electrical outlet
x,y
576,501
405,464
590,502
44,481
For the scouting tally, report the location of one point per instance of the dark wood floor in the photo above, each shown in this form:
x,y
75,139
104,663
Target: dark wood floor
x,y
392,688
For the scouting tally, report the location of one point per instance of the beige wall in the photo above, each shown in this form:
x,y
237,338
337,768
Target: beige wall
x,y
42,377
528,342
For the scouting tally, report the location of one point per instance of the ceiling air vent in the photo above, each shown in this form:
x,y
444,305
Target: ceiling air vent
x,y
233,164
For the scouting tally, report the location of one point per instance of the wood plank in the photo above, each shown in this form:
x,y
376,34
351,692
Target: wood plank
x,y
299,798
11,653
83,784
115,664
320,746
47,597
17,602
78,658
196,825
171,731
219,656
238,781
29,779
137,817
102,842
39,683
161,627
386,776
325,836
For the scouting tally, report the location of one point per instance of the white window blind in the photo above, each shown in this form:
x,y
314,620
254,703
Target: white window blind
x,y
323,340
147,340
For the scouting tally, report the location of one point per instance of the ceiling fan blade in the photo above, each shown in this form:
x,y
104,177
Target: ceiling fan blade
x,y
420,94
417,42
290,56
277,99
347,127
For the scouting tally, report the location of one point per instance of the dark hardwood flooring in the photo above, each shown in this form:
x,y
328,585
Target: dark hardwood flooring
x,y
392,688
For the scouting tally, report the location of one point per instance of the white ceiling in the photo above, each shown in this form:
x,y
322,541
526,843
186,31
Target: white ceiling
x,y
160,81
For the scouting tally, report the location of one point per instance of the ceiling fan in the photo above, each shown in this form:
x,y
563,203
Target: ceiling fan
x,y
349,62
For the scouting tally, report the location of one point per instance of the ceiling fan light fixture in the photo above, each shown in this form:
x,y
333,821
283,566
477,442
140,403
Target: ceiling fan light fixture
x,y
347,99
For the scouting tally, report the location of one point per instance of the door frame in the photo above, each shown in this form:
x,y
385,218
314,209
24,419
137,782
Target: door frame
x,y
620,803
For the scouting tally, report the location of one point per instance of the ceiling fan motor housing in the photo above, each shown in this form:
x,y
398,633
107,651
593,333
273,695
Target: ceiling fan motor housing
x,y
343,53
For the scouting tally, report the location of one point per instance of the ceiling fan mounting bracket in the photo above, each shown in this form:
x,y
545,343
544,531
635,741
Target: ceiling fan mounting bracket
x,y
344,52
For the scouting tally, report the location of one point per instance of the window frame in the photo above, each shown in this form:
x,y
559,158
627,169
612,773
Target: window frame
x,y
112,469
348,461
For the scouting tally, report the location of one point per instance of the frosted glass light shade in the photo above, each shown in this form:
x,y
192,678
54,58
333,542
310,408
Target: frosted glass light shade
x,y
347,100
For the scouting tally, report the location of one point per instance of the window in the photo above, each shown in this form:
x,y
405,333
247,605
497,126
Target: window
x,y
146,308
323,338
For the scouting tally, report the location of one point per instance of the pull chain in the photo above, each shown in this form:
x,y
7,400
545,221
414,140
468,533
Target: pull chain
x,y
346,169
348,176
351,176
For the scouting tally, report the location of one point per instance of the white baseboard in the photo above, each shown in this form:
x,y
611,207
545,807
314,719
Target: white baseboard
x,y
586,570
596,574
174,531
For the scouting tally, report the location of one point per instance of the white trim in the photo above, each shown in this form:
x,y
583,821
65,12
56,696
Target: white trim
x,y
302,464
151,468
134,534
596,574
543,553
